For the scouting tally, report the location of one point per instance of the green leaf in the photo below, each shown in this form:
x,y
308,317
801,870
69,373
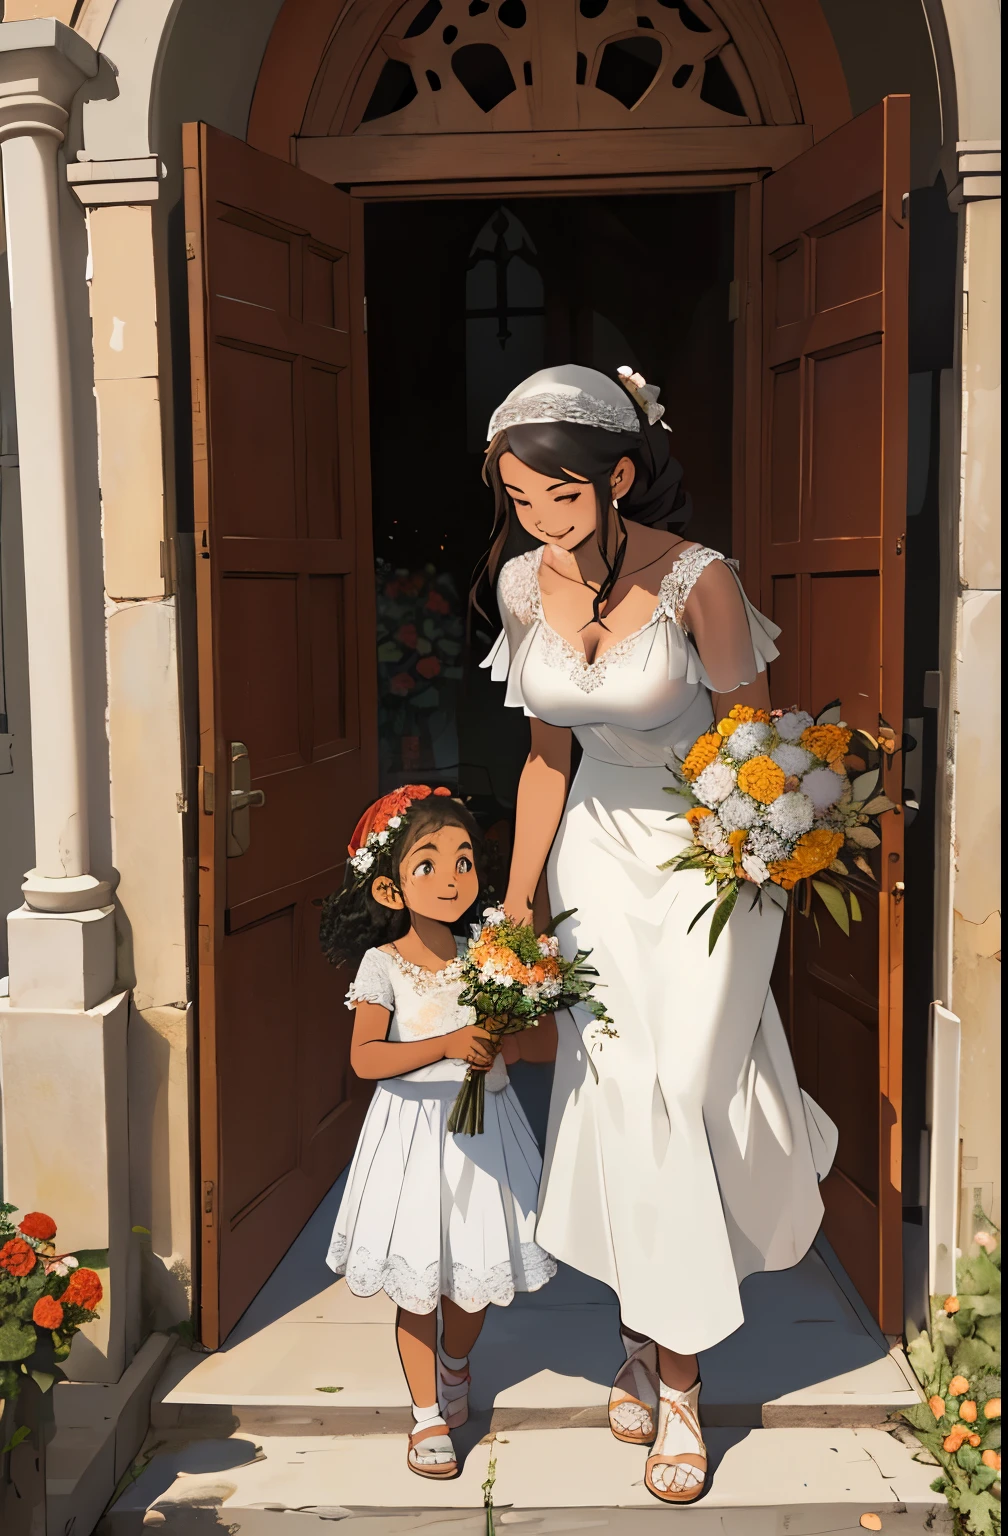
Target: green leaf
x,y
17,1340
968,1458
833,901
390,652
879,805
705,908
141,1231
21,1433
973,1357
43,1379
982,1478
328,1389
989,1330
722,913
855,906
92,1258
864,785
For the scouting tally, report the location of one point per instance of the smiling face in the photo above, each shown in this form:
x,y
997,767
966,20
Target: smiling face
x,y
437,877
561,511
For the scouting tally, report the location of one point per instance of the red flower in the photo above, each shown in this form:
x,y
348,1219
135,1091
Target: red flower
x,y
402,684
37,1224
84,1289
437,604
428,667
406,634
47,1313
17,1258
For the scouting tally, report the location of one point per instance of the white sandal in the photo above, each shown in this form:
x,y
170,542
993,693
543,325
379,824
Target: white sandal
x,y
633,1398
438,1445
453,1393
677,1476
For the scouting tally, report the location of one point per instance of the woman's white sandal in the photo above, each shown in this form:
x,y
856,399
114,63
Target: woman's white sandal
x,y
677,1477
436,1442
633,1399
453,1393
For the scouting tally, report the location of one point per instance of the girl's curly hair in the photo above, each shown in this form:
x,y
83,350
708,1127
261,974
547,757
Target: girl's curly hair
x,y
352,921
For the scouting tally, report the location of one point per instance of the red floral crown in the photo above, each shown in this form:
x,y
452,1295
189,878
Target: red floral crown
x,y
382,823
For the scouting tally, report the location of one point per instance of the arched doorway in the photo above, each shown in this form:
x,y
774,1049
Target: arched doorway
x,y
429,112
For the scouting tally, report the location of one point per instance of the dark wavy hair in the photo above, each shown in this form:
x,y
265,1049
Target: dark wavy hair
x,y
567,450
352,921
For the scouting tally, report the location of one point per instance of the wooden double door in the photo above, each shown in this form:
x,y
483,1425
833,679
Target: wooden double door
x,y
285,597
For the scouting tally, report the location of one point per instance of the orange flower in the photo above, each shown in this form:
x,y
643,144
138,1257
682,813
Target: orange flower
x,y
742,714
736,839
37,1224
954,1439
17,1257
957,1386
47,1313
937,1406
696,815
991,1459
813,852
974,1441
992,1408
968,1411
84,1289
761,778
830,742
703,751
950,1304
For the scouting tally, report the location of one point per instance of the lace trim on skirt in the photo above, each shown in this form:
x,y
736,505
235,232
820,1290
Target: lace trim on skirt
x,y
419,1290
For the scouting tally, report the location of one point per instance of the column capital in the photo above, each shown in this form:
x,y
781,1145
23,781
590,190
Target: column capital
x,y
978,163
43,65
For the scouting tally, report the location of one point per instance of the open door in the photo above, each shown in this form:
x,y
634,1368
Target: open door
x,y
835,261
287,695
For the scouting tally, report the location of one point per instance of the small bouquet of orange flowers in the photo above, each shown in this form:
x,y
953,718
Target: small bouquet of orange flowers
x,y
511,977
771,806
45,1296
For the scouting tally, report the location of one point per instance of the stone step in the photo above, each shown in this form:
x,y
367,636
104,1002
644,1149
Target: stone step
x,y
763,1481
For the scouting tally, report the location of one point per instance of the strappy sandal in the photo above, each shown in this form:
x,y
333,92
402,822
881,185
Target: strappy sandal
x,y
453,1394
677,1477
633,1399
438,1469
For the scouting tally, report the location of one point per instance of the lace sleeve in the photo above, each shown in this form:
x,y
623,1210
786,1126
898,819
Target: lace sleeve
x,y
373,982
518,601
733,640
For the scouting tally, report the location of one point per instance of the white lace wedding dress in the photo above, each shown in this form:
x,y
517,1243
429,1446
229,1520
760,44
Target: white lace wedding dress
x,y
425,1213
682,1155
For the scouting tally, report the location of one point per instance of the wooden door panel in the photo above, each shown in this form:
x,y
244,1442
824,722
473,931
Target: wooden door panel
x,y
284,585
834,455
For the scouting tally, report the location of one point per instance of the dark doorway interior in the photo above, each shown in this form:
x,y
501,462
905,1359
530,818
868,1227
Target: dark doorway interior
x,y
465,299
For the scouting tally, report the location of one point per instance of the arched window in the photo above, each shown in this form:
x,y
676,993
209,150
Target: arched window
x,y
505,318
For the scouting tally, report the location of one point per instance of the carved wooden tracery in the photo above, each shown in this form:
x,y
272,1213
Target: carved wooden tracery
x,y
465,66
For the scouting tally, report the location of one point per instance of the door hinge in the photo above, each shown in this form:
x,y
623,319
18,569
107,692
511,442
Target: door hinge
x,y
899,543
207,796
190,245
905,207
208,1197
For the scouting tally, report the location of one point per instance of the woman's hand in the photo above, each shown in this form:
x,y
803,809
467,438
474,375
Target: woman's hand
x,y
471,1045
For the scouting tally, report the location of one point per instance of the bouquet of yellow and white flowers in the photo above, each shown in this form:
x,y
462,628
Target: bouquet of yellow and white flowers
x,y
772,805
511,977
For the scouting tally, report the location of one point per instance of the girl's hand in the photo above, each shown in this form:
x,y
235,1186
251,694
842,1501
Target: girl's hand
x,y
471,1045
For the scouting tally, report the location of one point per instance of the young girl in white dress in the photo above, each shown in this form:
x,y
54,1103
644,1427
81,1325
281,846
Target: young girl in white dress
x,y
428,1216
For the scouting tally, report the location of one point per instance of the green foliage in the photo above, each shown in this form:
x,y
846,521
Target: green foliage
x,y
965,1343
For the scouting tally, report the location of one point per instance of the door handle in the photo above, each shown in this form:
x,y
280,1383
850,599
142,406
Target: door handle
x,y
241,798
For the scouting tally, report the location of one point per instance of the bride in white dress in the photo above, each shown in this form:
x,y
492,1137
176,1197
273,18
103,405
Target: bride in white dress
x,y
681,1155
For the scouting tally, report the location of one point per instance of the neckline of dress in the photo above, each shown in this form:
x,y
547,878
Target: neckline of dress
x,y
577,652
411,968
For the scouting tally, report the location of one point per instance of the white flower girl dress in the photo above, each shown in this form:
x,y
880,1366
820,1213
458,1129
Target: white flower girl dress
x,y
426,1213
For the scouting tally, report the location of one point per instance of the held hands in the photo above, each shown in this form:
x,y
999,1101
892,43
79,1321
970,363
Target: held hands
x,y
471,1045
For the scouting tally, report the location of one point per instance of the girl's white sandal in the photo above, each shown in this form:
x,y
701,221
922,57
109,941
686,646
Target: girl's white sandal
x,y
435,1441
453,1394
633,1399
677,1477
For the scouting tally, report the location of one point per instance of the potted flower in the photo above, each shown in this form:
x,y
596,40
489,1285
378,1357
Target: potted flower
x,y
45,1296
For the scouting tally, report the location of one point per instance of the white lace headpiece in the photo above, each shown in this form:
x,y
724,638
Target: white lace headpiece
x,y
579,395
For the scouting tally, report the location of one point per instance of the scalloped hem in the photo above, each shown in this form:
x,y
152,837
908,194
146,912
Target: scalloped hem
x,y
419,1291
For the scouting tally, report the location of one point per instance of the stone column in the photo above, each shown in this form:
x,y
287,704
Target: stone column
x,y
63,1026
